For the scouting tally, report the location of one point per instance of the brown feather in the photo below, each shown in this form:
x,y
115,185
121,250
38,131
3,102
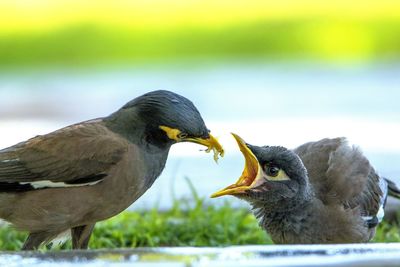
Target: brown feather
x,y
65,155
341,174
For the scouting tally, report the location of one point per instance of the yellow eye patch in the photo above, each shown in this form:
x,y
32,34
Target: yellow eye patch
x,y
282,176
171,133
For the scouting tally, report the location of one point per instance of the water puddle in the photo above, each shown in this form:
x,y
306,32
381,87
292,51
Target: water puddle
x,y
312,255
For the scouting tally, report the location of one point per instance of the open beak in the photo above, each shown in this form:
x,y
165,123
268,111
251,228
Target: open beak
x,y
211,143
250,173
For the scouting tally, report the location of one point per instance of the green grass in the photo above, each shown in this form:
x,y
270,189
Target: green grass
x,y
198,226
183,225
387,233
190,222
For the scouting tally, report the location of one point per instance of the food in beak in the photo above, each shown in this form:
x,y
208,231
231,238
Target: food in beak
x,y
249,175
211,143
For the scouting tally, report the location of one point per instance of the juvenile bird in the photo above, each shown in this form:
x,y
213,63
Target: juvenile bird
x,y
72,178
321,192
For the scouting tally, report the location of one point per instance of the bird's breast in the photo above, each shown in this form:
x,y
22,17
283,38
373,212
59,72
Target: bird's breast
x,y
132,177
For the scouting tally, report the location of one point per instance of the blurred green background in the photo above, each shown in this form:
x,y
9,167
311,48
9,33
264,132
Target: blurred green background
x,y
98,33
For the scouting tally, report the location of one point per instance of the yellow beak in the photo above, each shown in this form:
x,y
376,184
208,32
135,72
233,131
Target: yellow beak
x,y
211,142
249,175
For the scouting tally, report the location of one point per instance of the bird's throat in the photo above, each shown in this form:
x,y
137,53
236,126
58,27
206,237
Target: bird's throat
x,y
284,226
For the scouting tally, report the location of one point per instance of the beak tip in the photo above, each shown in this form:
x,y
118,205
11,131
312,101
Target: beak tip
x,y
238,139
216,194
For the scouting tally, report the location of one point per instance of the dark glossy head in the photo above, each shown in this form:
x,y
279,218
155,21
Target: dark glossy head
x,y
165,108
274,177
162,118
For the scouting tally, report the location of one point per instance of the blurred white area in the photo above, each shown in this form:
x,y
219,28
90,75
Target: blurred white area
x,y
265,105
372,136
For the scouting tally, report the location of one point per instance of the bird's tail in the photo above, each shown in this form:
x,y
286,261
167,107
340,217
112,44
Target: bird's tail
x,y
393,190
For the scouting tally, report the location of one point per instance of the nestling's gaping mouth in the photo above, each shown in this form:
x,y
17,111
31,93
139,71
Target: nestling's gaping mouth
x,y
211,142
250,174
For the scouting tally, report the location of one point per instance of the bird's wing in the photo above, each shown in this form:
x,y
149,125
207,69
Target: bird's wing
x,y
76,155
315,157
341,174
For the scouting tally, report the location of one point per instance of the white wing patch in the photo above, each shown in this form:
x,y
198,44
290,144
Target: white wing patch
x,y
9,160
381,212
50,184
384,187
367,218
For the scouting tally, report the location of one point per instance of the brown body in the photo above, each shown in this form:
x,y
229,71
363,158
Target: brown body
x,y
91,171
128,176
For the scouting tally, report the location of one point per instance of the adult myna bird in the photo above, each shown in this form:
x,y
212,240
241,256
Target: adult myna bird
x,y
321,192
93,170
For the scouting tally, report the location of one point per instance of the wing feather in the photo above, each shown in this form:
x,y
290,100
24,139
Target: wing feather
x,y
341,174
73,155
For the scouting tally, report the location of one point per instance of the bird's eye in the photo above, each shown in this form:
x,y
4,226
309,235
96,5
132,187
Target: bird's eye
x,y
182,135
272,171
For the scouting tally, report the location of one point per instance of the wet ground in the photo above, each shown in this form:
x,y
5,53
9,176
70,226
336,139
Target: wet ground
x,y
317,255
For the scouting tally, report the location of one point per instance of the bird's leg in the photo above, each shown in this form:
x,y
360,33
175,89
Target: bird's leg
x,y
34,240
81,236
